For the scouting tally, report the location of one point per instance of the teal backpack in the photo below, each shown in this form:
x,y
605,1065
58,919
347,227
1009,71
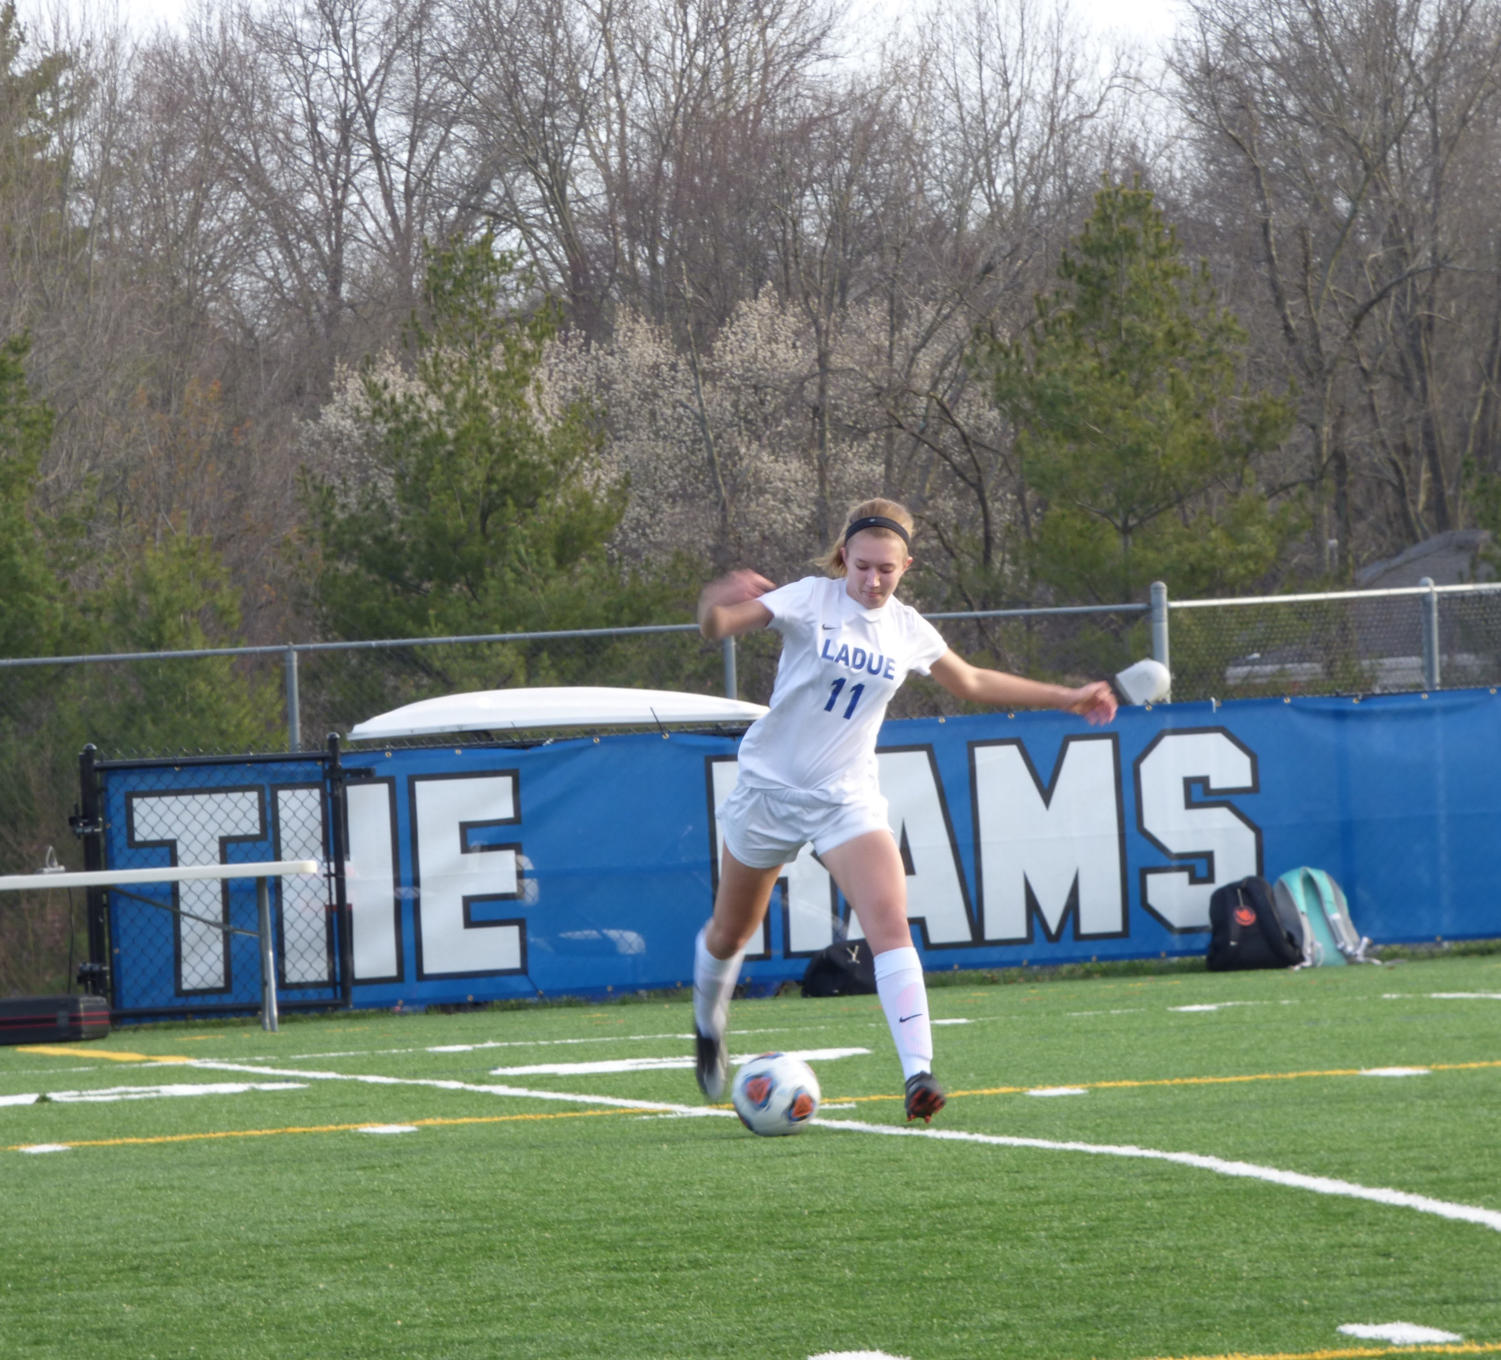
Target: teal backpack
x,y
1329,935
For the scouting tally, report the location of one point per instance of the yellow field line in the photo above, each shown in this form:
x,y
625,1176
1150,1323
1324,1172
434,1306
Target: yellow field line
x,y
1210,1081
108,1054
122,1056
321,1128
1182,1081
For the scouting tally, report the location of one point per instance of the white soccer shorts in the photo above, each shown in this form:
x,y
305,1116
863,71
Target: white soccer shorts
x,y
764,828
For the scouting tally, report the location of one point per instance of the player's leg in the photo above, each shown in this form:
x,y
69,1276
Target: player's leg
x,y
740,905
870,874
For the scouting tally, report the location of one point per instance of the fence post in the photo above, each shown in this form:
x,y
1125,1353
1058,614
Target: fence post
x,y
89,827
1161,649
731,680
294,700
268,954
1431,667
338,853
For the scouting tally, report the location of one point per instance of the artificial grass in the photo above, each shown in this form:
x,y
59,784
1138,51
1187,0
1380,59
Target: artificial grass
x,y
266,1224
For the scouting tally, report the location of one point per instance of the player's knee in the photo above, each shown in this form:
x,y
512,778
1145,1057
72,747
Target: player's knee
x,y
885,924
725,939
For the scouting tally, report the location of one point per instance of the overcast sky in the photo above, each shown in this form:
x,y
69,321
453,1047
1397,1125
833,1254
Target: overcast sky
x,y
1146,20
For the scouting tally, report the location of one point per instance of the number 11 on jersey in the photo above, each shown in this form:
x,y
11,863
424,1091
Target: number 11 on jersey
x,y
855,692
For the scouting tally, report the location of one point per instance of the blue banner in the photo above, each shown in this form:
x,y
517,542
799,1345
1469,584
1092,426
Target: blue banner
x,y
586,867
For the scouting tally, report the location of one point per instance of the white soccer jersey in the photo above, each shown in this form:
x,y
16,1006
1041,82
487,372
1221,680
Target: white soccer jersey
x,y
839,667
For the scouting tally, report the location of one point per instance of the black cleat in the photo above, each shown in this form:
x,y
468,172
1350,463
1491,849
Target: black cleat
x,y
710,1064
924,1097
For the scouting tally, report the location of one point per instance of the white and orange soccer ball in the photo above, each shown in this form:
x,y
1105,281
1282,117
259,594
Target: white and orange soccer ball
x,y
775,1094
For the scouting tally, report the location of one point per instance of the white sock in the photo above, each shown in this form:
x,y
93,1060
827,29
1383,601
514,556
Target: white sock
x,y
904,998
713,985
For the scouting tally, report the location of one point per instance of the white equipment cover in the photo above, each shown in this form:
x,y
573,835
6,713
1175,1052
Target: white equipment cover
x,y
541,708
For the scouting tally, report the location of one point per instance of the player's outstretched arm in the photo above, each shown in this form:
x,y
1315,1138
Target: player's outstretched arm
x,y
732,605
1094,702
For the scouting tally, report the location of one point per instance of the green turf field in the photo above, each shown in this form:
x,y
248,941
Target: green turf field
x,y
1185,1165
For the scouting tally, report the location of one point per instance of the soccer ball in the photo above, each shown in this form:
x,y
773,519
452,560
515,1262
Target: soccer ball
x,y
775,1094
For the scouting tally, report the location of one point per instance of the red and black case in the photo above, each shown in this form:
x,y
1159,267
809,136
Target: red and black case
x,y
52,1019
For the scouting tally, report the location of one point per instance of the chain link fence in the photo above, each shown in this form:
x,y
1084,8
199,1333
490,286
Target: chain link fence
x,y
288,698
194,947
1418,638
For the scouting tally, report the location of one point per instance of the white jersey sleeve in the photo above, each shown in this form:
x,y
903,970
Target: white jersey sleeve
x,y
839,667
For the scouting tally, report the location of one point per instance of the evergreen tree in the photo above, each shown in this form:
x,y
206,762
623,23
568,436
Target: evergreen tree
x,y
30,598
1136,432
175,596
168,597
36,102
469,506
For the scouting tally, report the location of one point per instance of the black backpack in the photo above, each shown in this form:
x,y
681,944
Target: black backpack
x,y
845,968
1249,927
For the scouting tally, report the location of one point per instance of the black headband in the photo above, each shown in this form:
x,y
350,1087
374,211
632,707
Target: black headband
x,y
878,522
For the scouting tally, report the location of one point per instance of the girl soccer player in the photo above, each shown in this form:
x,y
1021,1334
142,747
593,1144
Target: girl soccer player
x,y
808,771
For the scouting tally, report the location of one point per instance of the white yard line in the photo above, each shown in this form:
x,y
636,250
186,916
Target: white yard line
x,y
1294,1180
441,1084
107,1094
1319,1185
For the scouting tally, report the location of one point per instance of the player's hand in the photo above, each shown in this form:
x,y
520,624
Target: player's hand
x,y
727,607
1095,703
737,587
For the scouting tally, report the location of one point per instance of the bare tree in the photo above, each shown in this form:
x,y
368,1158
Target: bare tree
x,y
623,142
1357,145
333,131
528,80
1014,117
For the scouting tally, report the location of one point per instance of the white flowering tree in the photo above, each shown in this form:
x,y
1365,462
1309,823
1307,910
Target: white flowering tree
x,y
710,443
448,496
